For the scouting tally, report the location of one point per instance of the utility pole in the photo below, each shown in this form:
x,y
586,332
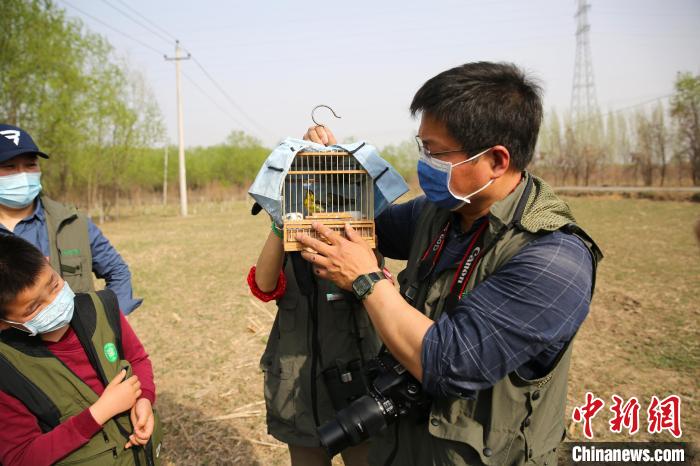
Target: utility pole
x,y
583,96
180,131
165,175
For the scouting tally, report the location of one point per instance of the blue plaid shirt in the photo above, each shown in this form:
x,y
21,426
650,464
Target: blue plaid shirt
x,y
519,319
106,261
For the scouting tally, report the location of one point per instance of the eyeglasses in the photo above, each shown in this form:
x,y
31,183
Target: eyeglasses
x,y
425,151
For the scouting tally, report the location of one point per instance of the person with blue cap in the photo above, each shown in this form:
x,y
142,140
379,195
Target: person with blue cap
x,y
73,244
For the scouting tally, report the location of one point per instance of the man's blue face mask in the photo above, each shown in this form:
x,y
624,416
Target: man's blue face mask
x,y
19,190
434,177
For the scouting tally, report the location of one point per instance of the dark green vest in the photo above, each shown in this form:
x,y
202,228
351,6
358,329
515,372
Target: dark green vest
x,y
516,421
305,341
69,244
53,393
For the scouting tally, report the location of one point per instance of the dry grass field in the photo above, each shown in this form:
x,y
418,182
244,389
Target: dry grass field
x,y
205,332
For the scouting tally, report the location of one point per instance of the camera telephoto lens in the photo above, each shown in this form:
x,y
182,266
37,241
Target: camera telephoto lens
x,y
354,424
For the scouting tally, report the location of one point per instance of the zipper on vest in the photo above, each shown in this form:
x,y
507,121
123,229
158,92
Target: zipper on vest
x,y
359,337
315,351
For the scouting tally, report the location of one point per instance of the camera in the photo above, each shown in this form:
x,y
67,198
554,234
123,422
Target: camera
x,y
393,392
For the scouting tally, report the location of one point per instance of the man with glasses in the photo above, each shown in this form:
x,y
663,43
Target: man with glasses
x,y
498,281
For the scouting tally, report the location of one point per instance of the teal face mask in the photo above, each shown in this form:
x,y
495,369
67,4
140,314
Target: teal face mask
x,y
19,190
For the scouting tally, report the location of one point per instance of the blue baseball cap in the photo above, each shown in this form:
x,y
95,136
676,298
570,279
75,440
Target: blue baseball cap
x,y
15,141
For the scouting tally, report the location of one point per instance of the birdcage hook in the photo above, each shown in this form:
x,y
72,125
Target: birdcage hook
x,y
319,106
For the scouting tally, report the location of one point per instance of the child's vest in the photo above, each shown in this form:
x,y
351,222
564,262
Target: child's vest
x,y
53,393
69,244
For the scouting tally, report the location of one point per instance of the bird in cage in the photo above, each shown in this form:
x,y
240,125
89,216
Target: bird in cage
x,y
302,182
311,205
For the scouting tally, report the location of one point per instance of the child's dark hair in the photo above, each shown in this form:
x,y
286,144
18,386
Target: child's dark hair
x,y
20,265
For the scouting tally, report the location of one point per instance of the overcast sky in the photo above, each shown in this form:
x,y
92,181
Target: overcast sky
x,y
276,60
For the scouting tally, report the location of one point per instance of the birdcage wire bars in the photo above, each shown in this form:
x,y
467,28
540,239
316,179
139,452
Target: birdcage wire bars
x,y
329,187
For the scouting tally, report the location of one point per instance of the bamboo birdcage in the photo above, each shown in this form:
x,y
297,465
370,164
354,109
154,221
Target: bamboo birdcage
x,y
329,187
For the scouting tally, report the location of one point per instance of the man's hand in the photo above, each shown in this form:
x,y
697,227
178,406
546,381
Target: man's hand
x,y
143,421
341,261
320,135
118,396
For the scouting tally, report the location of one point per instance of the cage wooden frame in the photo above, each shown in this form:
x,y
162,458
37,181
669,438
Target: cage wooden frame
x,y
329,187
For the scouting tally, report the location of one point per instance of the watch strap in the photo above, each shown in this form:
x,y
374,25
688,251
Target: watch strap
x,y
373,278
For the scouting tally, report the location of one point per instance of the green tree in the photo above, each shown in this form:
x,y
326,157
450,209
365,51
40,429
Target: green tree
x,y
685,110
643,153
552,155
84,107
403,157
659,137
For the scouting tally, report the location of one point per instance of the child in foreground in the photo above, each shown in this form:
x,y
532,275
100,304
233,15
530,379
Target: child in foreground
x,y
76,385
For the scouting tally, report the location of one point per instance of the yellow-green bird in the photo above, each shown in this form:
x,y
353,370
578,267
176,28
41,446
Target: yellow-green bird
x,y
311,204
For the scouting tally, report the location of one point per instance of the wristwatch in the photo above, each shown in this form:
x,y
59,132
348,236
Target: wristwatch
x,y
364,284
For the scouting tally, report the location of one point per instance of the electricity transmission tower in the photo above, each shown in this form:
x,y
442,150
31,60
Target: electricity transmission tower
x,y
583,96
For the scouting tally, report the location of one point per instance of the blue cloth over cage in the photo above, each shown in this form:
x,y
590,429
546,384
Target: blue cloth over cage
x,y
389,185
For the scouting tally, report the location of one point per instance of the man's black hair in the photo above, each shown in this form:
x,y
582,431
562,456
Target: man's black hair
x,y
20,266
485,104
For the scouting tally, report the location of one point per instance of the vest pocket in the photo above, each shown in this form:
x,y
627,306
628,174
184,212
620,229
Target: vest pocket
x,y
493,447
287,312
548,459
86,454
155,444
71,266
280,389
343,315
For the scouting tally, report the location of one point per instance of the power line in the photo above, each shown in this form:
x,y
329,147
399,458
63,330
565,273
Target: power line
x,y
623,109
641,104
108,26
172,37
127,15
212,100
201,67
143,44
228,97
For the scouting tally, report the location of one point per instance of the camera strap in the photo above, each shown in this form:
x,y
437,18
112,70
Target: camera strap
x,y
432,254
473,254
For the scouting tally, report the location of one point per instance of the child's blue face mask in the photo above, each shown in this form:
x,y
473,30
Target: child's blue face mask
x,y
19,190
434,177
55,315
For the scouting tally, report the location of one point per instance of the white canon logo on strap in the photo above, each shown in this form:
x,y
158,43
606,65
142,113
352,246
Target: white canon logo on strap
x,y
12,135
